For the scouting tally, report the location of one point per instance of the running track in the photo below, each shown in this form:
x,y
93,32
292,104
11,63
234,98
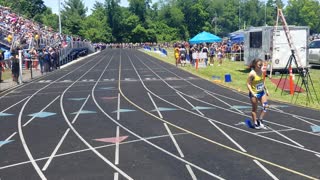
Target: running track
x,y
122,114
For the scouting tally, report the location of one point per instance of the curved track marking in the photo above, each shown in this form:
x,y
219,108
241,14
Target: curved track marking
x,y
24,144
140,137
209,140
79,136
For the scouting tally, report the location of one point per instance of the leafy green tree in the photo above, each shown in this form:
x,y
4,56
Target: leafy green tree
x,y
139,8
28,8
95,27
48,18
73,13
114,17
304,13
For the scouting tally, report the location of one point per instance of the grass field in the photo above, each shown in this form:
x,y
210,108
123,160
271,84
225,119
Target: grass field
x,y
239,73
6,75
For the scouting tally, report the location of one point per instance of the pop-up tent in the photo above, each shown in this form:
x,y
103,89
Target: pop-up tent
x,y
204,37
237,38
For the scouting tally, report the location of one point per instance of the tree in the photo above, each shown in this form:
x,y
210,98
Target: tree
x,y
28,8
139,8
95,27
73,13
48,18
304,13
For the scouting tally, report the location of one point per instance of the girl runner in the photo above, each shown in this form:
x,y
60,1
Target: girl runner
x,y
257,92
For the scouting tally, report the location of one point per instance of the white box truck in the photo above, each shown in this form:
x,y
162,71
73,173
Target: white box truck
x,y
264,43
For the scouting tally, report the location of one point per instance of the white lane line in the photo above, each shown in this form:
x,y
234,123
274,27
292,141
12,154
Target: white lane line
x,y
24,144
13,134
25,124
318,155
155,106
145,140
304,120
269,122
290,114
174,140
222,101
118,112
21,135
88,149
191,172
230,138
77,133
77,115
230,126
15,104
266,170
190,104
317,120
63,137
55,150
116,176
116,160
294,142
152,144
242,149
266,132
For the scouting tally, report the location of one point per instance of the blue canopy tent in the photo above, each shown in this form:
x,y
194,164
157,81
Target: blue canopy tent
x,y
237,38
204,37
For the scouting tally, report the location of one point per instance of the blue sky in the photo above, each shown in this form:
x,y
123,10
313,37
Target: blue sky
x,y
53,4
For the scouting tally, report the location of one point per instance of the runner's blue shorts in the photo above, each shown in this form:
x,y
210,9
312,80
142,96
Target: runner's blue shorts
x,y
259,94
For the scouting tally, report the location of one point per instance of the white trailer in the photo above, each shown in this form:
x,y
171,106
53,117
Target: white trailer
x,y
264,43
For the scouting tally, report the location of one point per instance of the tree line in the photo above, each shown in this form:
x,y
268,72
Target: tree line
x,y
166,20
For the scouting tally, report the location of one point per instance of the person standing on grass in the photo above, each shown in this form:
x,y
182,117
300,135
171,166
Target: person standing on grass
x,y
176,54
220,56
257,92
183,55
212,50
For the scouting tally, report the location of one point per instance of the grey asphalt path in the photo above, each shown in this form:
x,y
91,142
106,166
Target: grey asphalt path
x,y
122,114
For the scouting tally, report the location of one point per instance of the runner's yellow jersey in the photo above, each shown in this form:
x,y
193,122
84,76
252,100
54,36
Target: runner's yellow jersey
x,y
257,84
176,52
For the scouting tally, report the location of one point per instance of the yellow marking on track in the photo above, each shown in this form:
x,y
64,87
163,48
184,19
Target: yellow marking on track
x,y
207,139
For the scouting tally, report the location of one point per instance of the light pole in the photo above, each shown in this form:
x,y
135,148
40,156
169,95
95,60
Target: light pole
x,y
214,19
265,13
59,14
239,15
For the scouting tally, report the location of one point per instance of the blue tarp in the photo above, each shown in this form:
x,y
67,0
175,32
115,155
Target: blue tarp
x,y
204,37
237,38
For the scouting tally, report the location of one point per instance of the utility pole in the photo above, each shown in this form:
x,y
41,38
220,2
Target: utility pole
x,y
239,15
214,19
265,13
59,14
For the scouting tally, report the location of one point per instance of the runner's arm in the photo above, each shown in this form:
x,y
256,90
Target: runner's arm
x,y
249,82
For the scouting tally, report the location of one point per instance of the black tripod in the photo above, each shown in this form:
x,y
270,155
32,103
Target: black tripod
x,y
304,75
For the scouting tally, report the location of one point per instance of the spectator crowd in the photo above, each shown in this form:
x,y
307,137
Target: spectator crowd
x,y
40,44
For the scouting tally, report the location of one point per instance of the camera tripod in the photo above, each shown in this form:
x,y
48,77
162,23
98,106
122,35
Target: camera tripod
x,y
305,77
